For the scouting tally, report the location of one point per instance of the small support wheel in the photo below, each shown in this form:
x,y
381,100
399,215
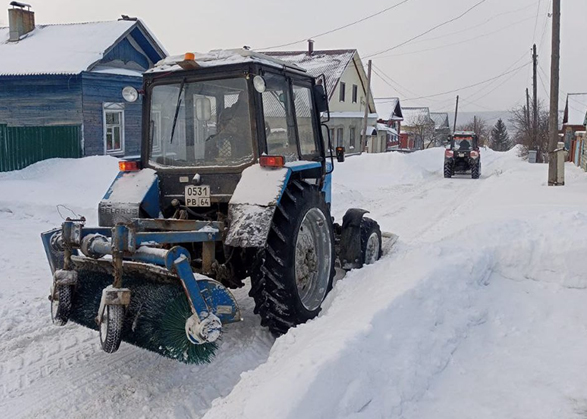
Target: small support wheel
x,y
61,304
111,328
371,249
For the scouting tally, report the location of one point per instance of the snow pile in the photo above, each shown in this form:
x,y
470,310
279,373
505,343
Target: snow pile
x,y
457,307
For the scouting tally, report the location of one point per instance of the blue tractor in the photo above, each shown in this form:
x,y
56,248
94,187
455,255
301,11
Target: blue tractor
x,y
234,181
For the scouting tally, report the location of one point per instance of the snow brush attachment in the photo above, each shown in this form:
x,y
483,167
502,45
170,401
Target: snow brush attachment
x,y
145,295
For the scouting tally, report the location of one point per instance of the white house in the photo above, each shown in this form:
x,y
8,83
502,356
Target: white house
x,y
346,82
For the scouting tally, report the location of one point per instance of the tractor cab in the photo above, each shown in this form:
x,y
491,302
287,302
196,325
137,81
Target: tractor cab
x,y
213,115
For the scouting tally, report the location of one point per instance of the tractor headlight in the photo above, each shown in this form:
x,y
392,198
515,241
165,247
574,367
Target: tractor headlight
x,y
130,94
259,84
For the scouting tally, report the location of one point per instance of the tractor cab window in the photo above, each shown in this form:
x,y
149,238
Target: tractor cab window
x,y
198,124
463,143
304,113
279,129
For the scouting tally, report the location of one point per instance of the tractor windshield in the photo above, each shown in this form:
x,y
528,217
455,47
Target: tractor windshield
x,y
463,143
204,123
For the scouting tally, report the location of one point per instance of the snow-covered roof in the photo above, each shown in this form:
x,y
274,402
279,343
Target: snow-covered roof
x,y
415,116
440,120
576,109
220,57
331,63
62,49
388,108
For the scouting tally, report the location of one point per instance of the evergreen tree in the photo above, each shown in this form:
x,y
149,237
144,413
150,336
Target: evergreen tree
x,y
500,140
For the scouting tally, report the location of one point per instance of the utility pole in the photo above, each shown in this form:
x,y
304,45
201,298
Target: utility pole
x,y
534,99
366,114
454,127
554,82
527,113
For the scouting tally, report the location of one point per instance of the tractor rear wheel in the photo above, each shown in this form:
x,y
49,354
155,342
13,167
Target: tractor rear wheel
x,y
447,170
476,170
294,271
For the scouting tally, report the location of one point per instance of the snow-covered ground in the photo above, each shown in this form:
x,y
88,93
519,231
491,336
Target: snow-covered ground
x,y
478,312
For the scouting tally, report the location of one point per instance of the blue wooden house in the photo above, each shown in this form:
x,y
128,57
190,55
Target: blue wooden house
x,y
61,87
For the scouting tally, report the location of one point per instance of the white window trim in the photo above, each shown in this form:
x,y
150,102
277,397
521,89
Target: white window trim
x,y
117,107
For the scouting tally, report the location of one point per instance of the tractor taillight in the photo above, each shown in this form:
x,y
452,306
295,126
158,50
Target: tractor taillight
x,y
272,161
474,154
449,153
129,165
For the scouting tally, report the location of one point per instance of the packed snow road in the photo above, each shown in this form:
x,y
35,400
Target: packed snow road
x,y
479,311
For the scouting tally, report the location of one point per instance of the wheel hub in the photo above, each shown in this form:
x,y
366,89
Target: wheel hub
x,y
313,259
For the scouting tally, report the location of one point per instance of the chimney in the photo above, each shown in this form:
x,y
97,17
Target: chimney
x,y
20,21
310,46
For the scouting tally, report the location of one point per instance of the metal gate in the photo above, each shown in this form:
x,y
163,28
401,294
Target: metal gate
x,y
22,146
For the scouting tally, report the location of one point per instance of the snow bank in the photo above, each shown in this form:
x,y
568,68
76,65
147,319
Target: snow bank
x,y
390,333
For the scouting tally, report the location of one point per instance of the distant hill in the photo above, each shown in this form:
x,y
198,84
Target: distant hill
x,y
490,117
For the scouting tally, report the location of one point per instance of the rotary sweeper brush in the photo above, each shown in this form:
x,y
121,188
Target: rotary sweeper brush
x,y
233,181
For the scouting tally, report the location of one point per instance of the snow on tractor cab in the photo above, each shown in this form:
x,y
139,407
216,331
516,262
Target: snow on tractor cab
x,y
462,155
233,181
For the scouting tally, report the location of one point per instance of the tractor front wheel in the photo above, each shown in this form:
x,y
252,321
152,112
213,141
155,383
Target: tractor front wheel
x,y
294,271
371,250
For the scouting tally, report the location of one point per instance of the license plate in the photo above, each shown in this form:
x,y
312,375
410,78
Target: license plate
x,y
461,154
197,196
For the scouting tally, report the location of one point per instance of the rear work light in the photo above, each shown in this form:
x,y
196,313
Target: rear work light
x,y
272,161
449,153
129,165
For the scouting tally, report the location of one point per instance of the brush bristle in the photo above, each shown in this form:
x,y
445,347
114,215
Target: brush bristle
x,y
155,318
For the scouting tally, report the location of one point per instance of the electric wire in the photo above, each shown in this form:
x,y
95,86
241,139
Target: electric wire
x,y
427,31
336,29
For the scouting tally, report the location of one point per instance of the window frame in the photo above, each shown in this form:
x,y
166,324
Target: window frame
x,y
355,93
352,137
342,91
341,130
111,107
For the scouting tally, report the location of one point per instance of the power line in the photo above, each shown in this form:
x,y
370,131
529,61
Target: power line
x,y
536,22
460,42
382,74
477,26
337,29
489,84
428,31
471,85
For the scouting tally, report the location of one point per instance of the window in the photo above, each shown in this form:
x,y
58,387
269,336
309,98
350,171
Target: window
x,y
355,93
339,138
279,130
352,131
114,128
201,124
304,112
342,91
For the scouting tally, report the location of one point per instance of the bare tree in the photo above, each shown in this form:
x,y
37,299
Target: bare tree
x,y
423,129
480,127
524,130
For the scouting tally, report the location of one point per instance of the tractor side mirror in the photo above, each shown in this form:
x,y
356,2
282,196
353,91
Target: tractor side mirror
x,y
203,109
340,154
321,98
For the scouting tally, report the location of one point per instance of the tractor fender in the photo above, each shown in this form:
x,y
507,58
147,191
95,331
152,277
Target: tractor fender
x,y
253,203
129,193
350,238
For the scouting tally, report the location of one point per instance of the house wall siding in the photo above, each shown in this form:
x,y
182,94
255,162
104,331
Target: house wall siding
x,y
101,88
40,100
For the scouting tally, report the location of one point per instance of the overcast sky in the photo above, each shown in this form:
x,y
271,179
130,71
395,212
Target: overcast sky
x,y
494,37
